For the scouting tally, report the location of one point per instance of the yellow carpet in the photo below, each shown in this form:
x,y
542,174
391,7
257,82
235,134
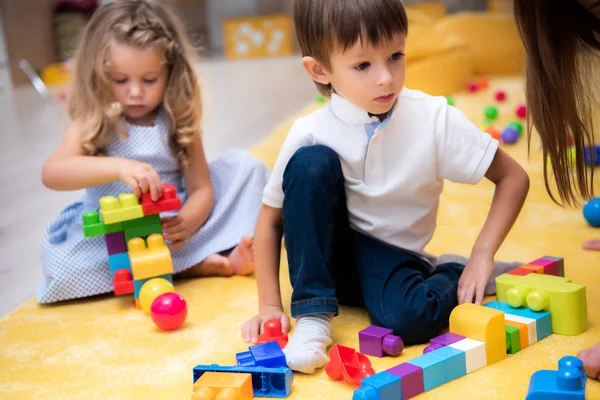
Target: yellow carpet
x,y
104,348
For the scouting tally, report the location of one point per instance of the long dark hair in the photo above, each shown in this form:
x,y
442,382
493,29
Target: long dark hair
x,y
561,41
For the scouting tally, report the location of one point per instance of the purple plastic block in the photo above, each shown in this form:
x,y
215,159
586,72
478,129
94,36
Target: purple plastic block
x,y
411,377
432,347
115,243
377,341
447,339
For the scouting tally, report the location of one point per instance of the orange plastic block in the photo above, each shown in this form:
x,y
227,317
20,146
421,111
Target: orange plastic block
x,y
535,268
125,208
523,332
138,305
168,201
151,261
483,324
223,385
520,271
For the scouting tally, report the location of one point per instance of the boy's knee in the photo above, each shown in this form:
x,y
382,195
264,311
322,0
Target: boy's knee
x,y
313,163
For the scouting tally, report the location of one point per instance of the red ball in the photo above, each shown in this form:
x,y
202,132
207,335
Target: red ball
x,y
500,95
473,87
521,111
169,311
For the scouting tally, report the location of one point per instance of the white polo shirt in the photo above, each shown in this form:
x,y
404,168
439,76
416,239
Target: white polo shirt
x,y
394,173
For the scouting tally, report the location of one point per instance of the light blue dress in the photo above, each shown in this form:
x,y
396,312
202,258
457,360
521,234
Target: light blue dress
x,y
75,266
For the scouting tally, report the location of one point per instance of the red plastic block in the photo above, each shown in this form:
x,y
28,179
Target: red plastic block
x,y
167,202
273,333
122,282
349,364
520,271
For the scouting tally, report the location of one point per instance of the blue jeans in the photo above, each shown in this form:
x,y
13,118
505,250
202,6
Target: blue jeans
x,y
332,264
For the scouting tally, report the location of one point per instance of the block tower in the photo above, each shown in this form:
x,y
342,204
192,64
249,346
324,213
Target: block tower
x,y
133,235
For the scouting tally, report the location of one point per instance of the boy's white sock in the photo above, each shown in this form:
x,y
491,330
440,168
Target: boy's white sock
x,y
307,349
501,267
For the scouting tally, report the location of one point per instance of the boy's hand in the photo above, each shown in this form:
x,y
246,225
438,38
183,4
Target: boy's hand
x,y
591,360
174,230
253,326
474,279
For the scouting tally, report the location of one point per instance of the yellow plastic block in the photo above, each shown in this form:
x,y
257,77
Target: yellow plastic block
x,y
565,301
523,332
126,208
147,262
223,386
483,324
534,268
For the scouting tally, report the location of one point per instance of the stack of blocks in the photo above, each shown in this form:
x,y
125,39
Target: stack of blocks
x,y
483,335
125,223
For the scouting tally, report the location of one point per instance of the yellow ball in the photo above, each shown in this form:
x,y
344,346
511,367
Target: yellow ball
x,y
152,289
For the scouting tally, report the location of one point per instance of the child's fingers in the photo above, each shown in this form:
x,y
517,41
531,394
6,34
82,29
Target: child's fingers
x,y
174,236
176,244
285,323
155,185
168,223
250,330
134,186
479,294
143,182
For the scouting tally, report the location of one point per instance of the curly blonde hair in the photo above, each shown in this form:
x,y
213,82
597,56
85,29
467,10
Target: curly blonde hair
x,y
143,24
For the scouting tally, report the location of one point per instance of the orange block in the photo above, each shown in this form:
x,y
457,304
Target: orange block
x,y
523,332
535,268
223,385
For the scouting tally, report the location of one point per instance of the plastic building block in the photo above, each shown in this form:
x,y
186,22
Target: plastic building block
x,y
513,339
483,324
168,201
262,355
530,323
455,362
523,332
137,284
142,227
377,341
151,261
381,386
272,332
122,282
411,377
565,301
474,350
92,226
543,319
266,382
561,264
223,385
447,339
432,347
520,271
115,243
118,261
552,265
535,268
123,209
348,364
568,383
434,370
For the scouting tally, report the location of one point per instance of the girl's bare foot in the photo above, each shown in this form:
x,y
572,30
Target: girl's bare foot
x,y
214,265
242,257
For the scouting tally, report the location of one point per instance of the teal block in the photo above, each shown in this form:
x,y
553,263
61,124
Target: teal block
x,y
543,319
381,386
118,261
137,285
434,369
455,361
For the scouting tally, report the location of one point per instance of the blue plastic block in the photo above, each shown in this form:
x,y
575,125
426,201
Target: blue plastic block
x,y
245,359
434,369
137,285
266,382
568,383
381,386
455,361
268,355
543,319
118,261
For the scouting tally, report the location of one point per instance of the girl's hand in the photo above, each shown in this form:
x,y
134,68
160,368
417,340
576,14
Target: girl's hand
x,y
253,326
140,177
175,230
474,279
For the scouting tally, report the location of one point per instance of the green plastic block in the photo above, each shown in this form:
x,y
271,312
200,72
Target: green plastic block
x,y
142,227
513,339
92,226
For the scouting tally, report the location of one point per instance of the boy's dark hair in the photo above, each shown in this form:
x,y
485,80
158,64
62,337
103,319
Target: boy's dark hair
x,y
323,24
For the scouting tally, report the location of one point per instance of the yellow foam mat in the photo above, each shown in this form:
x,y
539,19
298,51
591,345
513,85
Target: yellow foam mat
x,y
104,348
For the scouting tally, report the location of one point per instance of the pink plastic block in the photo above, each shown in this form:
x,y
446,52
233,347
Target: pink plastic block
x,y
432,347
377,341
411,377
115,243
447,339
348,364
550,266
